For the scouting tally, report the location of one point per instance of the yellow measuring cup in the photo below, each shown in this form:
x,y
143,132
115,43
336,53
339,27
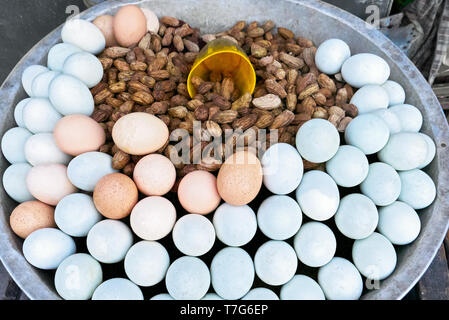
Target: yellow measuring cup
x,y
223,55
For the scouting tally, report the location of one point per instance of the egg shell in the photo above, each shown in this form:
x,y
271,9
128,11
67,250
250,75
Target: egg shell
x,y
282,168
431,151
340,280
40,116
365,68
85,170
41,148
154,175
13,144
139,133
194,235
152,20
77,134
367,132
374,256
349,167
240,178
396,93
188,278
30,216
235,226
409,116
232,273
29,75
279,217
117,289
331,55
59,53
47,248
315,244
399,223
70,95
77,277
115,195
302,287
76,214
83,34
84,66
130,25
108,241
382,185
317,140
418,189
260,294
18,112
357,216
14,182
41,84
212,296
162,296
106,25
197,192
153,218
318,195
404,151
146,263
370,98
390,119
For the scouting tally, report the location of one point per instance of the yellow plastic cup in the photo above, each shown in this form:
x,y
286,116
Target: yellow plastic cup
x,y
223,55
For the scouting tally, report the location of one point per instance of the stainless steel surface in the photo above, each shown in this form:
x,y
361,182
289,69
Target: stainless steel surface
x,y
313,19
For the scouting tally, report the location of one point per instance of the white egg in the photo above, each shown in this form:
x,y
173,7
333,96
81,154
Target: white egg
x,y
188,278
84,66
331,55
232,273
399,223
275,262
409,116
194,235
152,20
59,53
404,151
76,214
83,34
396,93
357,216
85,170
108,241
374,256
365,68
418,189
279,217
349,167
370,98
315,244
260,294
47,248
282,168
390,119
340,280
41,84
117,289
367,132
318,195
302,287
317,140
14,182
162,296
431,151
40,116
212,296
29,75
235,226
41,148
71,96
18,112
146,263
13,144
382,185
78,276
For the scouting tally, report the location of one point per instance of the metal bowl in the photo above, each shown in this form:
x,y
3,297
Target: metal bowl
x,y
312,19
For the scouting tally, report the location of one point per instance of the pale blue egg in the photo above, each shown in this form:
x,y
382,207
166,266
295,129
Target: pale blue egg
x,y
117,289
83,34
194,235
18,112
41,148
302,287
13,144
29,75
260,294
41,84
365,68
59,53
14,182
40,116
84,66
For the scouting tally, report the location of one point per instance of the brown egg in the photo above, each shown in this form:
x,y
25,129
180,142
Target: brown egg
x,y
76,134
30,216
106,25
115,195
154,175
240,178
130,25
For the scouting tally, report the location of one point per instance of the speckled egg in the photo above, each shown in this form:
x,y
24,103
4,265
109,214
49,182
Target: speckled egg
x,y
14,182
399,223
382,185
418,189
302,287
42,149
30,216
154,175
365,68
130,25
13,144
83,34
40,116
